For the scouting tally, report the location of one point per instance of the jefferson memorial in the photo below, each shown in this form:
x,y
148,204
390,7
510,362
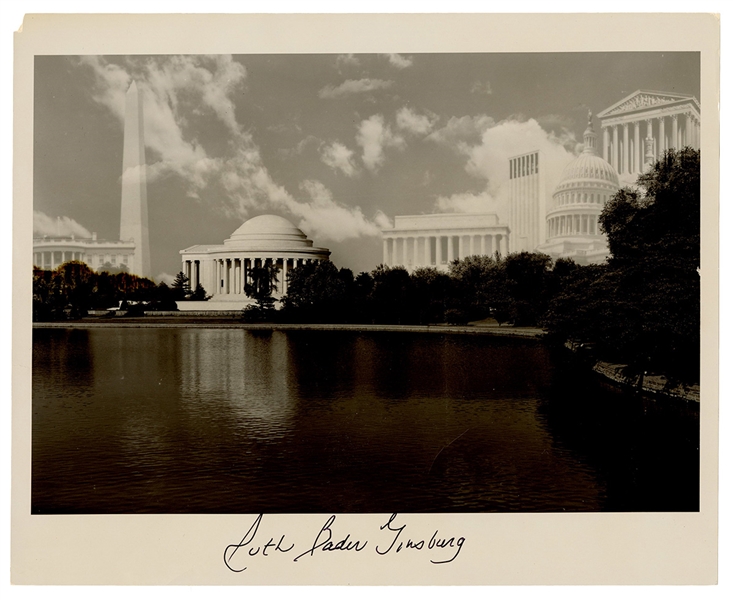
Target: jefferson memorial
x,y
225,269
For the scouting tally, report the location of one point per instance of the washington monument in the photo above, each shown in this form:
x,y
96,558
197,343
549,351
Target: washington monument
x,y
134,210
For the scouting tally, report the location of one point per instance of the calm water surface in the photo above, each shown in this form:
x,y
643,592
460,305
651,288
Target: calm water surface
x,y
234,421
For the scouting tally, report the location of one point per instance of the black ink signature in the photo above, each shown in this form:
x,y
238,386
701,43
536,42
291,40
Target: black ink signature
x,y
327,546
435,542
247,540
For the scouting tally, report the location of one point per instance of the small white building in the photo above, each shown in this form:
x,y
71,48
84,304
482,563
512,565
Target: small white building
x,y
225,269
438,239
50,252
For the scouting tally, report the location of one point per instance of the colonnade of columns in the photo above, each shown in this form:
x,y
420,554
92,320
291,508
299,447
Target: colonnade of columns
x,y
628,152
52,259
230,275
572,225
436,250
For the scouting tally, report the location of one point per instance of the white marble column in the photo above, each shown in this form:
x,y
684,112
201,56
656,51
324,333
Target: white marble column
x,y
450,248
438,250
649,136
285,276
614,149
662,146
415,252
675,133
625,159
605,143
638,154
461,249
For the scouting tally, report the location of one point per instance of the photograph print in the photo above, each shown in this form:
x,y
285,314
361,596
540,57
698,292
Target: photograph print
x,y
366,283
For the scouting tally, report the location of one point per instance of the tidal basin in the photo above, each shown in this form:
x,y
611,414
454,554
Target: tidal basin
x,y
177,420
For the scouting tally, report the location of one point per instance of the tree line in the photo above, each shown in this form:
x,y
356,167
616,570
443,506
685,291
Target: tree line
x,y
73,289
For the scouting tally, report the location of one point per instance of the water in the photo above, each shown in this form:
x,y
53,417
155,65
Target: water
x,y
233,421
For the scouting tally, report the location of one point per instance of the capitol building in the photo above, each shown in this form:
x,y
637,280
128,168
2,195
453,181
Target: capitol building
x,y
586,185
558,218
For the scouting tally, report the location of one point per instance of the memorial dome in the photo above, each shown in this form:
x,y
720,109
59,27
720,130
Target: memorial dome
x,y
268,231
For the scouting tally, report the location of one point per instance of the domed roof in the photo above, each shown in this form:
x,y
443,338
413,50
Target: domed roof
x,y
268,232
267,225
588,166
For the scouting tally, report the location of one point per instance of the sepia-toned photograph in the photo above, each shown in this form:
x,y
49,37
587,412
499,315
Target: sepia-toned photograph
x,y
444,305
366,283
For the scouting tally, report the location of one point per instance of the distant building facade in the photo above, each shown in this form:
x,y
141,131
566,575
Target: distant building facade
x,y
132,250
224,270
50,252
437,239
665,120
527,189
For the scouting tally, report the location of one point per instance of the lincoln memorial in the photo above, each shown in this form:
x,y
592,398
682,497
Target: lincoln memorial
x,y
225,269
438,239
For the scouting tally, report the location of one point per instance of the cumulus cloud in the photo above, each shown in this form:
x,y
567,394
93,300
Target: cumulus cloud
x,y
346,60
467,202
489,158
43,225
413,122
353,86
339,157
173,89
488,161
399,61
374,136
460,132
481,87
325,219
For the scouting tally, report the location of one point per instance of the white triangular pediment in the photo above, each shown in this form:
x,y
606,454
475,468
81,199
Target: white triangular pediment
x,y
643,99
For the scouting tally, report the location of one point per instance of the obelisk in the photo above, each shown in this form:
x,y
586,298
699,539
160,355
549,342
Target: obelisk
x,y
134,211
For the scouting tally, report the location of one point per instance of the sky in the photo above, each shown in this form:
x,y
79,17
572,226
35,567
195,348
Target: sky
x,y
337,144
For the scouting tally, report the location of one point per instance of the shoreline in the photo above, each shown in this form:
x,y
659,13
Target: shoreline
x,y
144,323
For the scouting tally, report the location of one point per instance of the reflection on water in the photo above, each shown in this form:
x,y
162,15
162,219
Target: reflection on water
x,y
189,420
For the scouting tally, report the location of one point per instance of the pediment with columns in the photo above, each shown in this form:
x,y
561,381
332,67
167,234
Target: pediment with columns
x,y
645,99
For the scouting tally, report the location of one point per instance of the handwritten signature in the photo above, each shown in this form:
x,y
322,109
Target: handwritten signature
x,y
236,555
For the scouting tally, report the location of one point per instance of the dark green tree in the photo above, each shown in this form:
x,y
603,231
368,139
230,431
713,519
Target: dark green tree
x,y
392,296
480,287
319,292
432,293
526,284
181,286
199,294
261,282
